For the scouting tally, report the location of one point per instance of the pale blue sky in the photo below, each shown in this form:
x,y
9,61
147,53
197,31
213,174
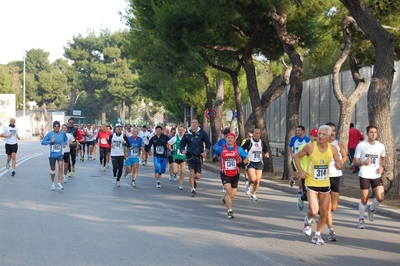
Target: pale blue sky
x,y
50,24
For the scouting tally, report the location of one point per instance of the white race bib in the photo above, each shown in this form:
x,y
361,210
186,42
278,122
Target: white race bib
x,y
159,149
103,141
56,147
320,172
230,164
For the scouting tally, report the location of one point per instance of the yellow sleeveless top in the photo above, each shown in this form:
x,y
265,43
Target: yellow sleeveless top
x,y
317,169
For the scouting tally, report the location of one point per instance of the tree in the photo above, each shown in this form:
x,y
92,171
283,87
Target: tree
x,y
380,87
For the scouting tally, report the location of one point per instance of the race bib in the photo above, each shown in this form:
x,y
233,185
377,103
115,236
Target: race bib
x,y
320,172
103,141
117,144
159,149
135,152
56,147
256,155
374,159
230,164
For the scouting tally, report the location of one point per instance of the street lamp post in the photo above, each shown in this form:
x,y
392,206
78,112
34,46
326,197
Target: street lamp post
x,y
23,112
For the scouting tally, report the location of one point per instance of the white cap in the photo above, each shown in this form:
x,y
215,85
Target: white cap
x,y
118,125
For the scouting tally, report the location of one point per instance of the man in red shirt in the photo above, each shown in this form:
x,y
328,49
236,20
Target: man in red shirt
x,y
355,136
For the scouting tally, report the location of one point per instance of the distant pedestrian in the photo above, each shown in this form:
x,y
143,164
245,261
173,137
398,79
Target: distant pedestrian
x,y
355,136
10,135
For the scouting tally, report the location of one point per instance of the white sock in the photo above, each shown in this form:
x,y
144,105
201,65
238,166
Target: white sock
x,y
361,210
374,204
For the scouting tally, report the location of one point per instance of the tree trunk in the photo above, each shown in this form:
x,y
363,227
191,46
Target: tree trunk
x,y
122,113
210,108
219,107
378,99
254,93
347,105
46,118
290,43
106,101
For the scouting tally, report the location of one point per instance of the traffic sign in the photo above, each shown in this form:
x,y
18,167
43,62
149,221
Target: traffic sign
x,y
207,113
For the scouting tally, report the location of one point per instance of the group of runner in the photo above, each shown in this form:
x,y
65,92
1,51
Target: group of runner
x,y
318,162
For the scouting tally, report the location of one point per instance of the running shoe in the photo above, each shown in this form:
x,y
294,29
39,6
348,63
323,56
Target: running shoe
x,y
53,187
83,158
174,178
316,239
133,183
300,203
108,165
360,224
118,184
370,213
332,235
223,190
126,175
171,178
291,182
253,197
114,180
193,193
69,174
13,173
158,184
143,164
247,189
223,199
180,187
307,227
94,158
104,168
59,186
65,179
230,215
73,169
8,165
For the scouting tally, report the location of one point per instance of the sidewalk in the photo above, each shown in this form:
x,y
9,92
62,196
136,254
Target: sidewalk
x,y
350,180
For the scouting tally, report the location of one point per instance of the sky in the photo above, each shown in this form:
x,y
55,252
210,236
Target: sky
x,y
50,24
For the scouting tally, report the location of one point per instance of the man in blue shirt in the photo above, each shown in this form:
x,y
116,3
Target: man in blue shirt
x,y
57,140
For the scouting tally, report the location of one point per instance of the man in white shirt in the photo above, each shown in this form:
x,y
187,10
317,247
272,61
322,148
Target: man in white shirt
x,y
10,135
370,155
145,135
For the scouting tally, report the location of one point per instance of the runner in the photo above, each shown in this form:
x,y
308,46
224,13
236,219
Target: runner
x,y
118,141
73,147
159,143
96,129
178,159
136,146
319,155
334,176
257,149
371,156
57,141
66,151
246,174
102,139
219,143
172,176
110,131
294,144
81,137
89,141
10,135
145,135
195,144
230,155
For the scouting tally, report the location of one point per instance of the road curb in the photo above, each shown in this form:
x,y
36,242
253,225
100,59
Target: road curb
x,y
383,210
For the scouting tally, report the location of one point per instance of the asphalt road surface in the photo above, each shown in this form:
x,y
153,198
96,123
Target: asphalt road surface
x,y
93,222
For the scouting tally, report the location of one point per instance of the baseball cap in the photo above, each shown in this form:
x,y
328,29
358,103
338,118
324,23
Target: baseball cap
x,y
230,134
56,123
314,132
118,125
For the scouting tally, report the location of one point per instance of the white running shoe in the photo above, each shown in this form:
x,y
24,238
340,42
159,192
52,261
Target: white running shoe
x,y
253,197
133,183
104,169
118,184
223,190
360,224
53,187
171,178
8,165
65,179
307,227
158,184
59,186
316,239
247,189
370,213
114,180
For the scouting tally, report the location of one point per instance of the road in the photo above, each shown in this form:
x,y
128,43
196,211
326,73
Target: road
x,y
93,222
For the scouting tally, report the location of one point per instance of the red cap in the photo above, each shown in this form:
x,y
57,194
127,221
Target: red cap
x,y
230,134
314,132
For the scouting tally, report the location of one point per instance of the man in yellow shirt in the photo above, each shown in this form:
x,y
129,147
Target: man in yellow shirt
x,y
316,176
